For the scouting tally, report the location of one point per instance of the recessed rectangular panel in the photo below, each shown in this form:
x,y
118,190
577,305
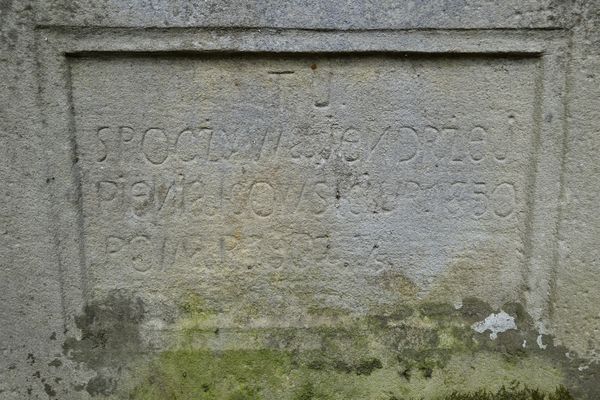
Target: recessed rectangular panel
x,y
289,180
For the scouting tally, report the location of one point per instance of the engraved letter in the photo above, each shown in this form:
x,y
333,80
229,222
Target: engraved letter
x,y
399,145
107,190
114,244
141,256
155,145
504,199
262,199
141,193
187,145
102,134
351,147
477,144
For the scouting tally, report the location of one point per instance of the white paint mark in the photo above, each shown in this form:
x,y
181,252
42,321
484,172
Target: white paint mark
x,y
458,305
495,323
540,343
524,343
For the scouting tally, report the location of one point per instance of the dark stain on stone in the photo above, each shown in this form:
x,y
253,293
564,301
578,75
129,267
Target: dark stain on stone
x,y
49,390
515,391
78,388
343,366
405,373
418,348
13,36
474,310
306,392
366,367
100,385
109,331
53,336
427,372
109,338
522,318
361,367
55,363
584,383
5,6
30,359
436,309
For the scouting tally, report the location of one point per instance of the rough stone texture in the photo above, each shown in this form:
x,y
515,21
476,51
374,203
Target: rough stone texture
x,y
299,199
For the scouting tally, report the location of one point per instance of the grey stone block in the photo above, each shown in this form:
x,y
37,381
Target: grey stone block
x,y
298,199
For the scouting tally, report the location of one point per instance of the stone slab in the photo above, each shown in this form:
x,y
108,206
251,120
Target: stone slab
x,y
336,163
297,199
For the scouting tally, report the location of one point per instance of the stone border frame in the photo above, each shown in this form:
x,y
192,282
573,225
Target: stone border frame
x,y
56,44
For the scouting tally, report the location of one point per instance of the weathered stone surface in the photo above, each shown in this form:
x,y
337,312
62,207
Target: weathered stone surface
x,y
300,200
345,168
307,14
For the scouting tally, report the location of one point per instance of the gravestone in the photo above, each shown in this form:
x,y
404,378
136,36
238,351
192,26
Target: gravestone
x,y
298,201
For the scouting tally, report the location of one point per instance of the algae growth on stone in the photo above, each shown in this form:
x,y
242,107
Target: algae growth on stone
x,y
425,350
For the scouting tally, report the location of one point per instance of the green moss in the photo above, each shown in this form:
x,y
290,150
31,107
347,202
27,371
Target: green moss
x,y
302,375
192,374
192,305
515,392
248,374
366,367
426,351
306,392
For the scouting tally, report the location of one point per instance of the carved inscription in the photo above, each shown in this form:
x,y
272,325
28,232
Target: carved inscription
x,y
403,150
264,164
